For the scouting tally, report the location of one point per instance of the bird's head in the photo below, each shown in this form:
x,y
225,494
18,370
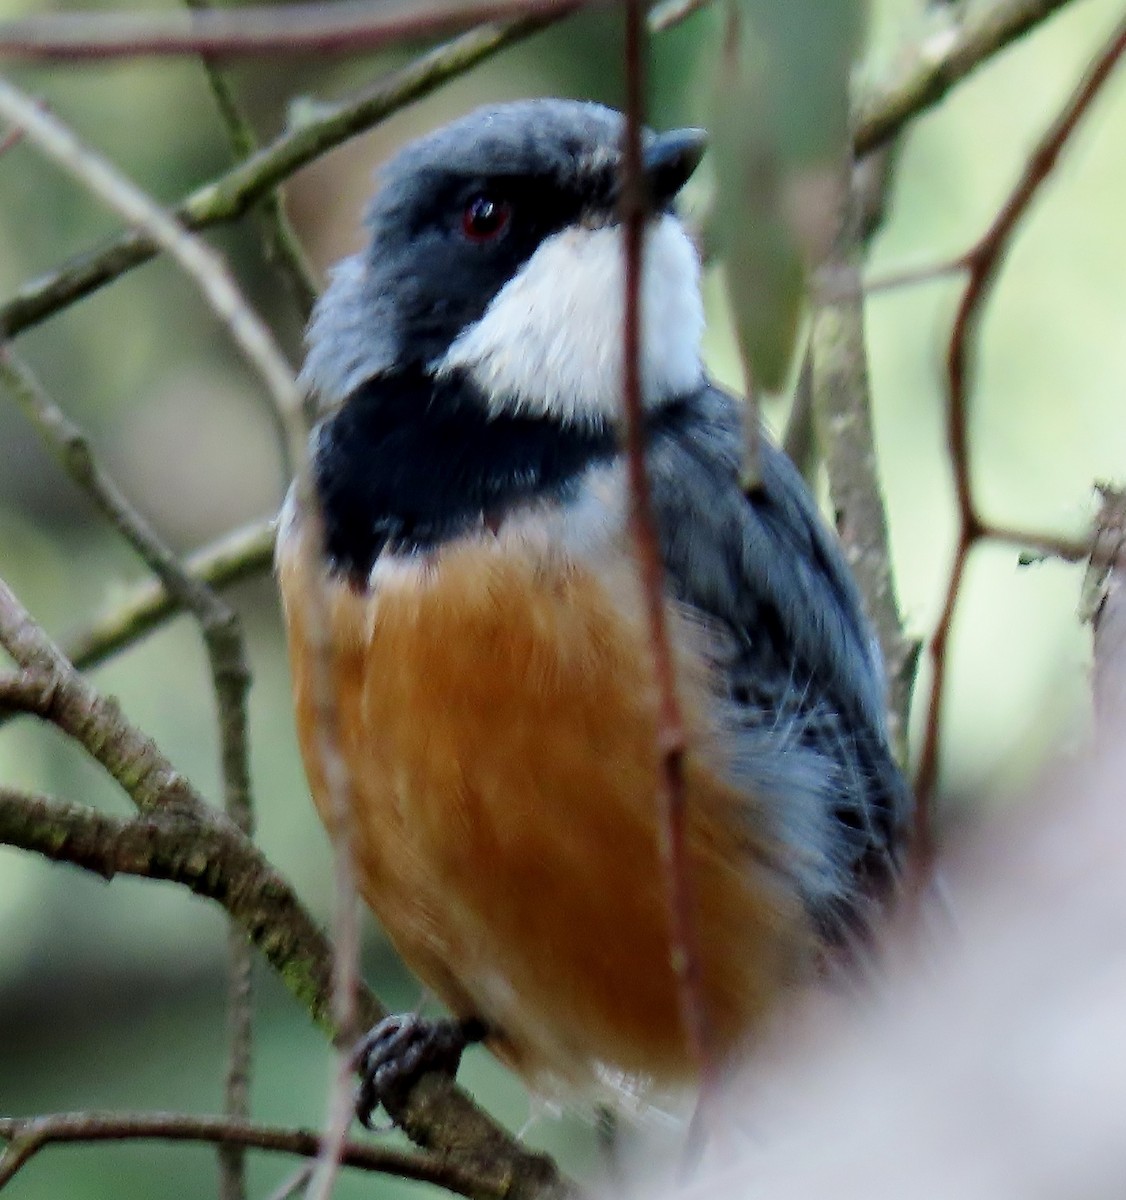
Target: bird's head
x,y
496,254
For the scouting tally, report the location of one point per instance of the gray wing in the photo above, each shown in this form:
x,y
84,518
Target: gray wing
x,y
803,678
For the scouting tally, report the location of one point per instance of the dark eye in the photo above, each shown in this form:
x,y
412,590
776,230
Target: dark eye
x,y
485,217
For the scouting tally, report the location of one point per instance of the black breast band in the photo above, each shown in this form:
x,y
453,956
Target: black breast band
x,y
410,461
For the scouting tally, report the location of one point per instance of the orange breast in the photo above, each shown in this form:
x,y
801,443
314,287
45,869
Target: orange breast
x,y
497,716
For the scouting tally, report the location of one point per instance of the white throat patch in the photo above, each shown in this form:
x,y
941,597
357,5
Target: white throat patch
x,y
551,340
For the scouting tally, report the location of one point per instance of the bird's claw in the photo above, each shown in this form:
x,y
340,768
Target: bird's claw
x,y
403,1047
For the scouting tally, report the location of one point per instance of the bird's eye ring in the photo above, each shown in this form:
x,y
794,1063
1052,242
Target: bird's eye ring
x,y
485,217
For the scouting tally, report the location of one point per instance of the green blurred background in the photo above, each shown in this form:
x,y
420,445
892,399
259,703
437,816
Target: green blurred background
x,y
112,996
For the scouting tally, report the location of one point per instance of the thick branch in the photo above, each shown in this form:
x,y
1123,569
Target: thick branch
x,y
207,854
842,413
198,848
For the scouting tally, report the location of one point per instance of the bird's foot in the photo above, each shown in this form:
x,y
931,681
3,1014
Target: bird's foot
x,y
403,1047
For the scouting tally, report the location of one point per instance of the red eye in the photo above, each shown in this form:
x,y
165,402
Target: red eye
x,y
485,218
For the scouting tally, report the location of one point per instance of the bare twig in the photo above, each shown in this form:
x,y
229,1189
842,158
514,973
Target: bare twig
x,y
26,1136
347,27
210,274
219,624
229,197
983,262
913,276
1040,542
684,943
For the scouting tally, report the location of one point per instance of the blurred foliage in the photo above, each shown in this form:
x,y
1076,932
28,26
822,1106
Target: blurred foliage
x,y
111,995
779,129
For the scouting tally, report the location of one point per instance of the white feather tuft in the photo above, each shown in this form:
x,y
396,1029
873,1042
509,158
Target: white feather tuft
x,y
551,340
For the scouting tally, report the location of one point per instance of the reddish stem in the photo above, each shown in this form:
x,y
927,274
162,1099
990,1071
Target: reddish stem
x,y
982,262
350,27
684,948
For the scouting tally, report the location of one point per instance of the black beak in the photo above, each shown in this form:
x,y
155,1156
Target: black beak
x,y
669,159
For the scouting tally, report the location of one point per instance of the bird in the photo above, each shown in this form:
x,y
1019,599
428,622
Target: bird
x,y
497,708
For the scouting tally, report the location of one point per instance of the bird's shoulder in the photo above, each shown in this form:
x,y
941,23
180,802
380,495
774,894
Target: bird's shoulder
x,y
759,559
795,656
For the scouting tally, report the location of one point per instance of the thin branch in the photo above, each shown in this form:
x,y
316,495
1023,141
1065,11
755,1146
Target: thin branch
x,y
283,250
218,622
347,27
239,555
240,1050
229,197
282,247
1040,542
203,266
26,1136
913,276
684,943
225,645
983,262
942,62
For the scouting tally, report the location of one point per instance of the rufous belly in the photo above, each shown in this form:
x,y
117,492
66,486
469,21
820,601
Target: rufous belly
x,y
497,719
